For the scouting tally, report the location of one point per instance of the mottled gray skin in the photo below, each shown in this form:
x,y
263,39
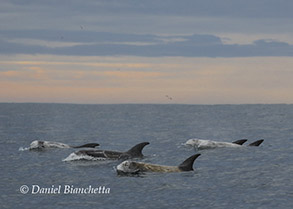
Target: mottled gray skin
x,y
40,145
209,144
134,152
132,167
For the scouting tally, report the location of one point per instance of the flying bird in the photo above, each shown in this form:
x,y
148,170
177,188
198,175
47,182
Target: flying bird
x,y
168,97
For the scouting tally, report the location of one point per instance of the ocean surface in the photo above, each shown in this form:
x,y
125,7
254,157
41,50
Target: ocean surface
x,y
245,177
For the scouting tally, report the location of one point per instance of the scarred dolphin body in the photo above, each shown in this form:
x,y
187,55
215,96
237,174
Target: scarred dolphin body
x,y
209,144
134,152
40,145
133,167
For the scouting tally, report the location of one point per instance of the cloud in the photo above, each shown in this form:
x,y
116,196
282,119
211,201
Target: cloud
x,y
91,43
73,20
227,8
79,79
139,51
169,16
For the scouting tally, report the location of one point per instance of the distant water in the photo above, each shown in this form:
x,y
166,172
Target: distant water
x,y
246,177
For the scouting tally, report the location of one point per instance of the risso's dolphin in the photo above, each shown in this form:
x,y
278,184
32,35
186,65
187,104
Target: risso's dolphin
x,y
134,152
40,145
133,167
209,144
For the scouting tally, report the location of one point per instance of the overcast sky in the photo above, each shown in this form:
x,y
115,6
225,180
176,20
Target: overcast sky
x,y
132,51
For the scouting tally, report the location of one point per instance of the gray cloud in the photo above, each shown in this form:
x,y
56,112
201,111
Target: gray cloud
x,y
224,8
107,44
170,17
115,27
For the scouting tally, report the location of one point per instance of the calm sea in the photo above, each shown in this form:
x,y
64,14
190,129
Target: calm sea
x,y
246,177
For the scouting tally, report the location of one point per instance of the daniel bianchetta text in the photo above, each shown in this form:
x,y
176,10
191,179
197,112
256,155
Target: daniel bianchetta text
x,y
64,189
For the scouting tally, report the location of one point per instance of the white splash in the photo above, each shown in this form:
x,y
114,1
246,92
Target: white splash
x,y
23,149
74,157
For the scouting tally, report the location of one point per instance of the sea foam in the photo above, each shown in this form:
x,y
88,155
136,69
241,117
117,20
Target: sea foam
x,y
73,157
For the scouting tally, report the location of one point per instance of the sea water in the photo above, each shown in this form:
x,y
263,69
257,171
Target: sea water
x,y
246,177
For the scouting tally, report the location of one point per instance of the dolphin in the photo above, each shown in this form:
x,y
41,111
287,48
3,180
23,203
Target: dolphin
x,y
40,145
134,152
133,167
209,144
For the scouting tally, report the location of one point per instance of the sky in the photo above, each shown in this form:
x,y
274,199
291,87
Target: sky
x,y
155,51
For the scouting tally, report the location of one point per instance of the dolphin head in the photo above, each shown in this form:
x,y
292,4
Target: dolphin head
x,y
37,145
127,167
193,142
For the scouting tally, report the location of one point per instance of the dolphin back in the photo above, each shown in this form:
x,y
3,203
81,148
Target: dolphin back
x,y
90,145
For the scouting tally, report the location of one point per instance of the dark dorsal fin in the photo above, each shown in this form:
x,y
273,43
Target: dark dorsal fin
x,y
187,165
136,151
256,143
90,145
240,142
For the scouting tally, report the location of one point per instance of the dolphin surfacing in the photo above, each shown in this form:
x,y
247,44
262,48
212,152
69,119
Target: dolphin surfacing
x,y
209,144
134,152
41,145
133,167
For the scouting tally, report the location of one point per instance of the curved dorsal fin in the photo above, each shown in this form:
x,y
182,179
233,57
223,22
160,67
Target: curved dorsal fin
x,y
240,142
136,151
187,164
256,143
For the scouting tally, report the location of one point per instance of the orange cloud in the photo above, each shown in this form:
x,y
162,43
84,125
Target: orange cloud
x,y
35,73
132,74
147,80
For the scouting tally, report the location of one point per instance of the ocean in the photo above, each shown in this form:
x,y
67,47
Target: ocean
x,y
245,177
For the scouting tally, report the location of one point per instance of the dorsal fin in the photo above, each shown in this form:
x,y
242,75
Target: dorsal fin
x,y
240,142
187,164
90,145
256,143
136,151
